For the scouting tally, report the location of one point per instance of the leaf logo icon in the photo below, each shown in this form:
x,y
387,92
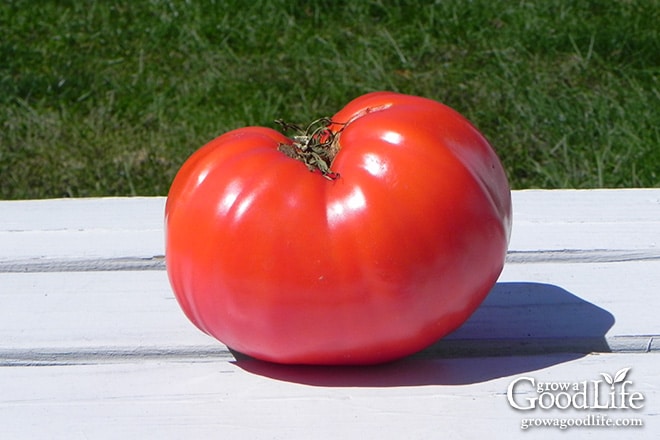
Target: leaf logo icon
x,y
620,376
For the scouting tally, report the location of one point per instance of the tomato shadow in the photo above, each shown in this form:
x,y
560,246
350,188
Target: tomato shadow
x,y
520,327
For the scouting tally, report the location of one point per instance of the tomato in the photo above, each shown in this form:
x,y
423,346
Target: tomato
x,y
389,247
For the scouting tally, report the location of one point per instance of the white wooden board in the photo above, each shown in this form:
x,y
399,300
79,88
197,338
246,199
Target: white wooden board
x,y
534,308
548,225
93,344
414,399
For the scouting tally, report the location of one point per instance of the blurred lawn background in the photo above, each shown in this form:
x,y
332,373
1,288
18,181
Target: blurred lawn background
x,y
101,98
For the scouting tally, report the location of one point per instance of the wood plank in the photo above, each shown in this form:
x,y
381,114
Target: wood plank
x,y
623,219
417,399
72,317
566,225
96,311
79,229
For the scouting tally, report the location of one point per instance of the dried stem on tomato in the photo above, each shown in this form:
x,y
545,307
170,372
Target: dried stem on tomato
x,y
315,146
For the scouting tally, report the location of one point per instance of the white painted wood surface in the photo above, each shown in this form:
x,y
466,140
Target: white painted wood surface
x,y
93,344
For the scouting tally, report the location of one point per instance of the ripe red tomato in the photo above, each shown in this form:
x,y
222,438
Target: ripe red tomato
x,y
388,248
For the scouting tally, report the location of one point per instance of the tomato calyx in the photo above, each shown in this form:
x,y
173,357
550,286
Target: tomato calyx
x,y
315,146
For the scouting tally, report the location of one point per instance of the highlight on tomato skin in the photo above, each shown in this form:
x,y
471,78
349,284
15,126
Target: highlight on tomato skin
x,y
356,239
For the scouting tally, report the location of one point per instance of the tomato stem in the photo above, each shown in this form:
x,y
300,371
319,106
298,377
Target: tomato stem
x,y
315,146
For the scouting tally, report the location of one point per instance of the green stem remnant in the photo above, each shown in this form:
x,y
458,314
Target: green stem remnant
x,y
315,146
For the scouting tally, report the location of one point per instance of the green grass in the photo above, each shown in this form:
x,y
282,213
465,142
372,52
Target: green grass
x,y
110,97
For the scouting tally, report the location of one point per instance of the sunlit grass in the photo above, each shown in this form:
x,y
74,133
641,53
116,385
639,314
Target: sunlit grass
x,y
109,98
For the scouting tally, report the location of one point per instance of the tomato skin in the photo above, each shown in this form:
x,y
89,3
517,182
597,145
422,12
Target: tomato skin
x,y
287,266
